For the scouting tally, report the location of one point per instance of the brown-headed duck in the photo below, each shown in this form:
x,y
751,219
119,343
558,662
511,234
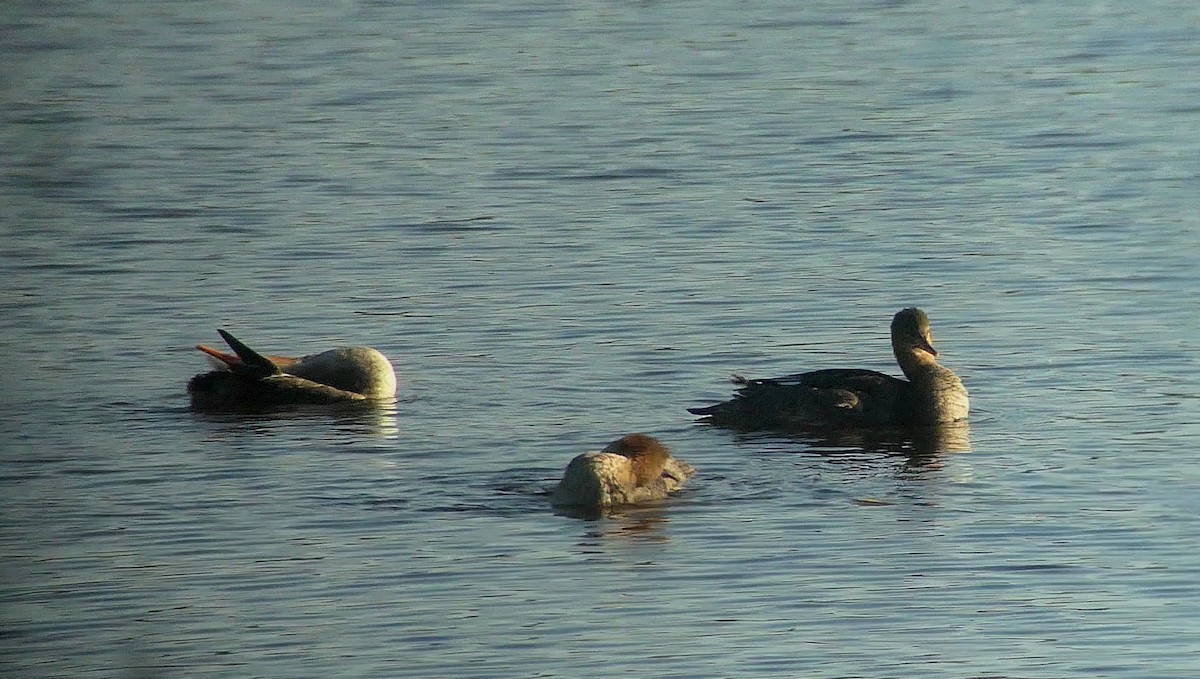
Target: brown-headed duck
x,y
633,469
931,395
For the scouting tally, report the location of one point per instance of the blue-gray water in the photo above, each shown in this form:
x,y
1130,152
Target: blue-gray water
x,y
569,220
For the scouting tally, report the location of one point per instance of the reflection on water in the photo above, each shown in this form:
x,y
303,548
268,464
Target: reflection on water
x,y
622,519
915,442
378,418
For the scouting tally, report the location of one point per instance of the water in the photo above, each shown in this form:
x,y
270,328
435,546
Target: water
x,y
565,222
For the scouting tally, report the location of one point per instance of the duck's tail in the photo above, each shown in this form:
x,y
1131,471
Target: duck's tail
x,y
705,411
719,408
251,361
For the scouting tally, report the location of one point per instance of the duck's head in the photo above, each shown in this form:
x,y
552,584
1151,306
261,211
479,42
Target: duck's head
x,y
911,334
647,456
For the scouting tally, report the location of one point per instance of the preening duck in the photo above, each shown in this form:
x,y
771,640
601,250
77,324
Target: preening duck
x,y
633,469
932,394
249,379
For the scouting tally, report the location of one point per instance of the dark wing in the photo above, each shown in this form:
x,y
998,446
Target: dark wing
x,y
225,390
869,381
253,363
822,397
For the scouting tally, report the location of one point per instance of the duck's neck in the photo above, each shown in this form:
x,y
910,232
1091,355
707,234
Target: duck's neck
x,y
918,365
938,395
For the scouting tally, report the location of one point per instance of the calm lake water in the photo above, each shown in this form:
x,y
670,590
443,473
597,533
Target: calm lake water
x,y
565,221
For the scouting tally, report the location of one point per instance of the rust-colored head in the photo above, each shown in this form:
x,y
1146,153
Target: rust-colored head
x,y
647,456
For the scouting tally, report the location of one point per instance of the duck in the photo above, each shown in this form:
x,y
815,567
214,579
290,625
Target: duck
x,y
931,395
633,469
247,378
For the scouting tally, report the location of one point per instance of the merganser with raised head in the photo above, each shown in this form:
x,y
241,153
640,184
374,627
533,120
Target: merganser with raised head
x,y
931,395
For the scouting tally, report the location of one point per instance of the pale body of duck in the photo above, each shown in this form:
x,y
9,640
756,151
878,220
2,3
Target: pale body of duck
x,y
249,379
931,395
633,469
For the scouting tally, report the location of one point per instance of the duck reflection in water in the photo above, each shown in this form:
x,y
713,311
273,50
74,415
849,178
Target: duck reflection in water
x,y
919,447
632,470
849,398
634,525
249,380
